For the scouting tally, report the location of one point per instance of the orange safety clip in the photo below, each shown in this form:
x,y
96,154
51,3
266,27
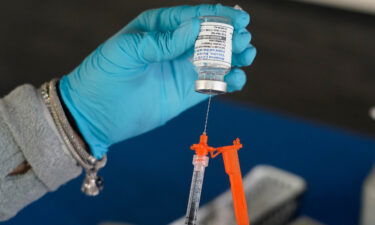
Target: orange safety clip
x,y
233,169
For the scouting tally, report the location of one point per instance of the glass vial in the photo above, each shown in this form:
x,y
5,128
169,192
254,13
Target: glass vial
x,y
213,54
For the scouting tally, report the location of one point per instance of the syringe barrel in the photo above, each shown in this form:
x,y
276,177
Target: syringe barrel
x,y
200,163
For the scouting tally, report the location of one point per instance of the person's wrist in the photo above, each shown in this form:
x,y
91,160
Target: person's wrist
x,y
69,116
86,128
77,148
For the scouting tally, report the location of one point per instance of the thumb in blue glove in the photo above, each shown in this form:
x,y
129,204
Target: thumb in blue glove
x,y
142,76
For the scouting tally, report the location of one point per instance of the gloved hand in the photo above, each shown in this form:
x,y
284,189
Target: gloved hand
x,y
143,76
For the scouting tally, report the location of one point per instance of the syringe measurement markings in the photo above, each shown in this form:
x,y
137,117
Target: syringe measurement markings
x,y
194,200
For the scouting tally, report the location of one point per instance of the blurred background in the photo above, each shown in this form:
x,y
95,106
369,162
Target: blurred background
x,y
305,108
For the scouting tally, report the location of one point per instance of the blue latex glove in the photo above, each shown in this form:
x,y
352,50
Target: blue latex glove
x,y
143,76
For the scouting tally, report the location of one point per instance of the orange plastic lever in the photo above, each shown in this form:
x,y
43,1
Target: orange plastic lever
x,y
232,168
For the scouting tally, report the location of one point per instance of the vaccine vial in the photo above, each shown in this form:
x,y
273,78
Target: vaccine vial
x,y
213,54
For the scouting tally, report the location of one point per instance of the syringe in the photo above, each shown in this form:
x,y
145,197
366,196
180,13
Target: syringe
x,y
232,168
200,163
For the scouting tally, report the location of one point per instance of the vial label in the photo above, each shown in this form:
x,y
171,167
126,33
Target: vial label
x,y
214,45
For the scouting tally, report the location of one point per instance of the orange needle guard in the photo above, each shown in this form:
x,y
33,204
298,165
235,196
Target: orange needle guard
x,y
233,169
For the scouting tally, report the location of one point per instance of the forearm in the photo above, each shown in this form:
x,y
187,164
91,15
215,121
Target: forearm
x,y
33,158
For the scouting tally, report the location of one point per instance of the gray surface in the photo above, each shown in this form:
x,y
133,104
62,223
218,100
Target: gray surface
x,y
27,133
313,62
368,200
305,221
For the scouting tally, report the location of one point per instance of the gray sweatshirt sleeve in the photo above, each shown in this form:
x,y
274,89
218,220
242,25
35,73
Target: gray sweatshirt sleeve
x,y
28,133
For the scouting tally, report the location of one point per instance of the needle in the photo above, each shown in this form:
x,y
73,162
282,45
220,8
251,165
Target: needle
x,y
208,111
